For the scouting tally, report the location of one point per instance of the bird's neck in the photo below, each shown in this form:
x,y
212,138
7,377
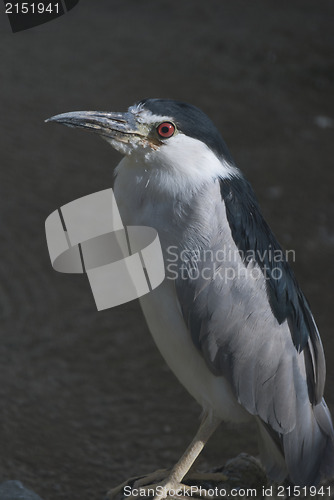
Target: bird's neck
x,y
150,196
178,214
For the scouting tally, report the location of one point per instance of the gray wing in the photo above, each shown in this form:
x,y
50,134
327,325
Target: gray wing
x,y
245,321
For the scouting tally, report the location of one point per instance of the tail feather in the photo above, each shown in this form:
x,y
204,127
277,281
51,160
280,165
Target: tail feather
x,y
324,421
305,455
309,448
271,452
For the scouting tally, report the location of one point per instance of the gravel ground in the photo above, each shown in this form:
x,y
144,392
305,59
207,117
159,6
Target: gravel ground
x,y
85,398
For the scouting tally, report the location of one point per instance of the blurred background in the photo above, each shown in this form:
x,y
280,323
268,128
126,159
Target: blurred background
x,y
85,398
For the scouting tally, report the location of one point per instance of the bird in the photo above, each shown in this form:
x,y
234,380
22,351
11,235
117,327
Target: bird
x,y
230,318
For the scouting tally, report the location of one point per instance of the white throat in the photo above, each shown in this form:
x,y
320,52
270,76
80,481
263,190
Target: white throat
x,y
176,169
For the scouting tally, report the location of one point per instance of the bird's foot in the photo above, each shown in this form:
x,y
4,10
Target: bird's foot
x,y
161,485
136,482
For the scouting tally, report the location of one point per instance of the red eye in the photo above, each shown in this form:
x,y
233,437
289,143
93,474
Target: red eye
x,y
166,129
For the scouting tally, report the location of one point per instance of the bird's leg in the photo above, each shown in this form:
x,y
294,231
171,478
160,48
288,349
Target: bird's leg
x,y
208,425
173,480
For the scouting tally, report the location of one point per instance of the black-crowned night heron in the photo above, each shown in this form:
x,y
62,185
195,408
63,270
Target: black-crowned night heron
x,y
229,319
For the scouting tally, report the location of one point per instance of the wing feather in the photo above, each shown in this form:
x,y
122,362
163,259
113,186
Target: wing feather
x,y
258,331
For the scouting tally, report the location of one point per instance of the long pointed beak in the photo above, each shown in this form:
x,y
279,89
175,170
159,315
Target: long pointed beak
x,y
119,126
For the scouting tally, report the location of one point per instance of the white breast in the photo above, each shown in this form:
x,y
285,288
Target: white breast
x,y
138,205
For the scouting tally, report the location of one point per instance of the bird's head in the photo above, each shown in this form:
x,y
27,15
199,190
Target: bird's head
x,y
160,134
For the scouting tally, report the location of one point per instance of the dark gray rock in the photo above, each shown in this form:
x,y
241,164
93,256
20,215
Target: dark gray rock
x,y
14,490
